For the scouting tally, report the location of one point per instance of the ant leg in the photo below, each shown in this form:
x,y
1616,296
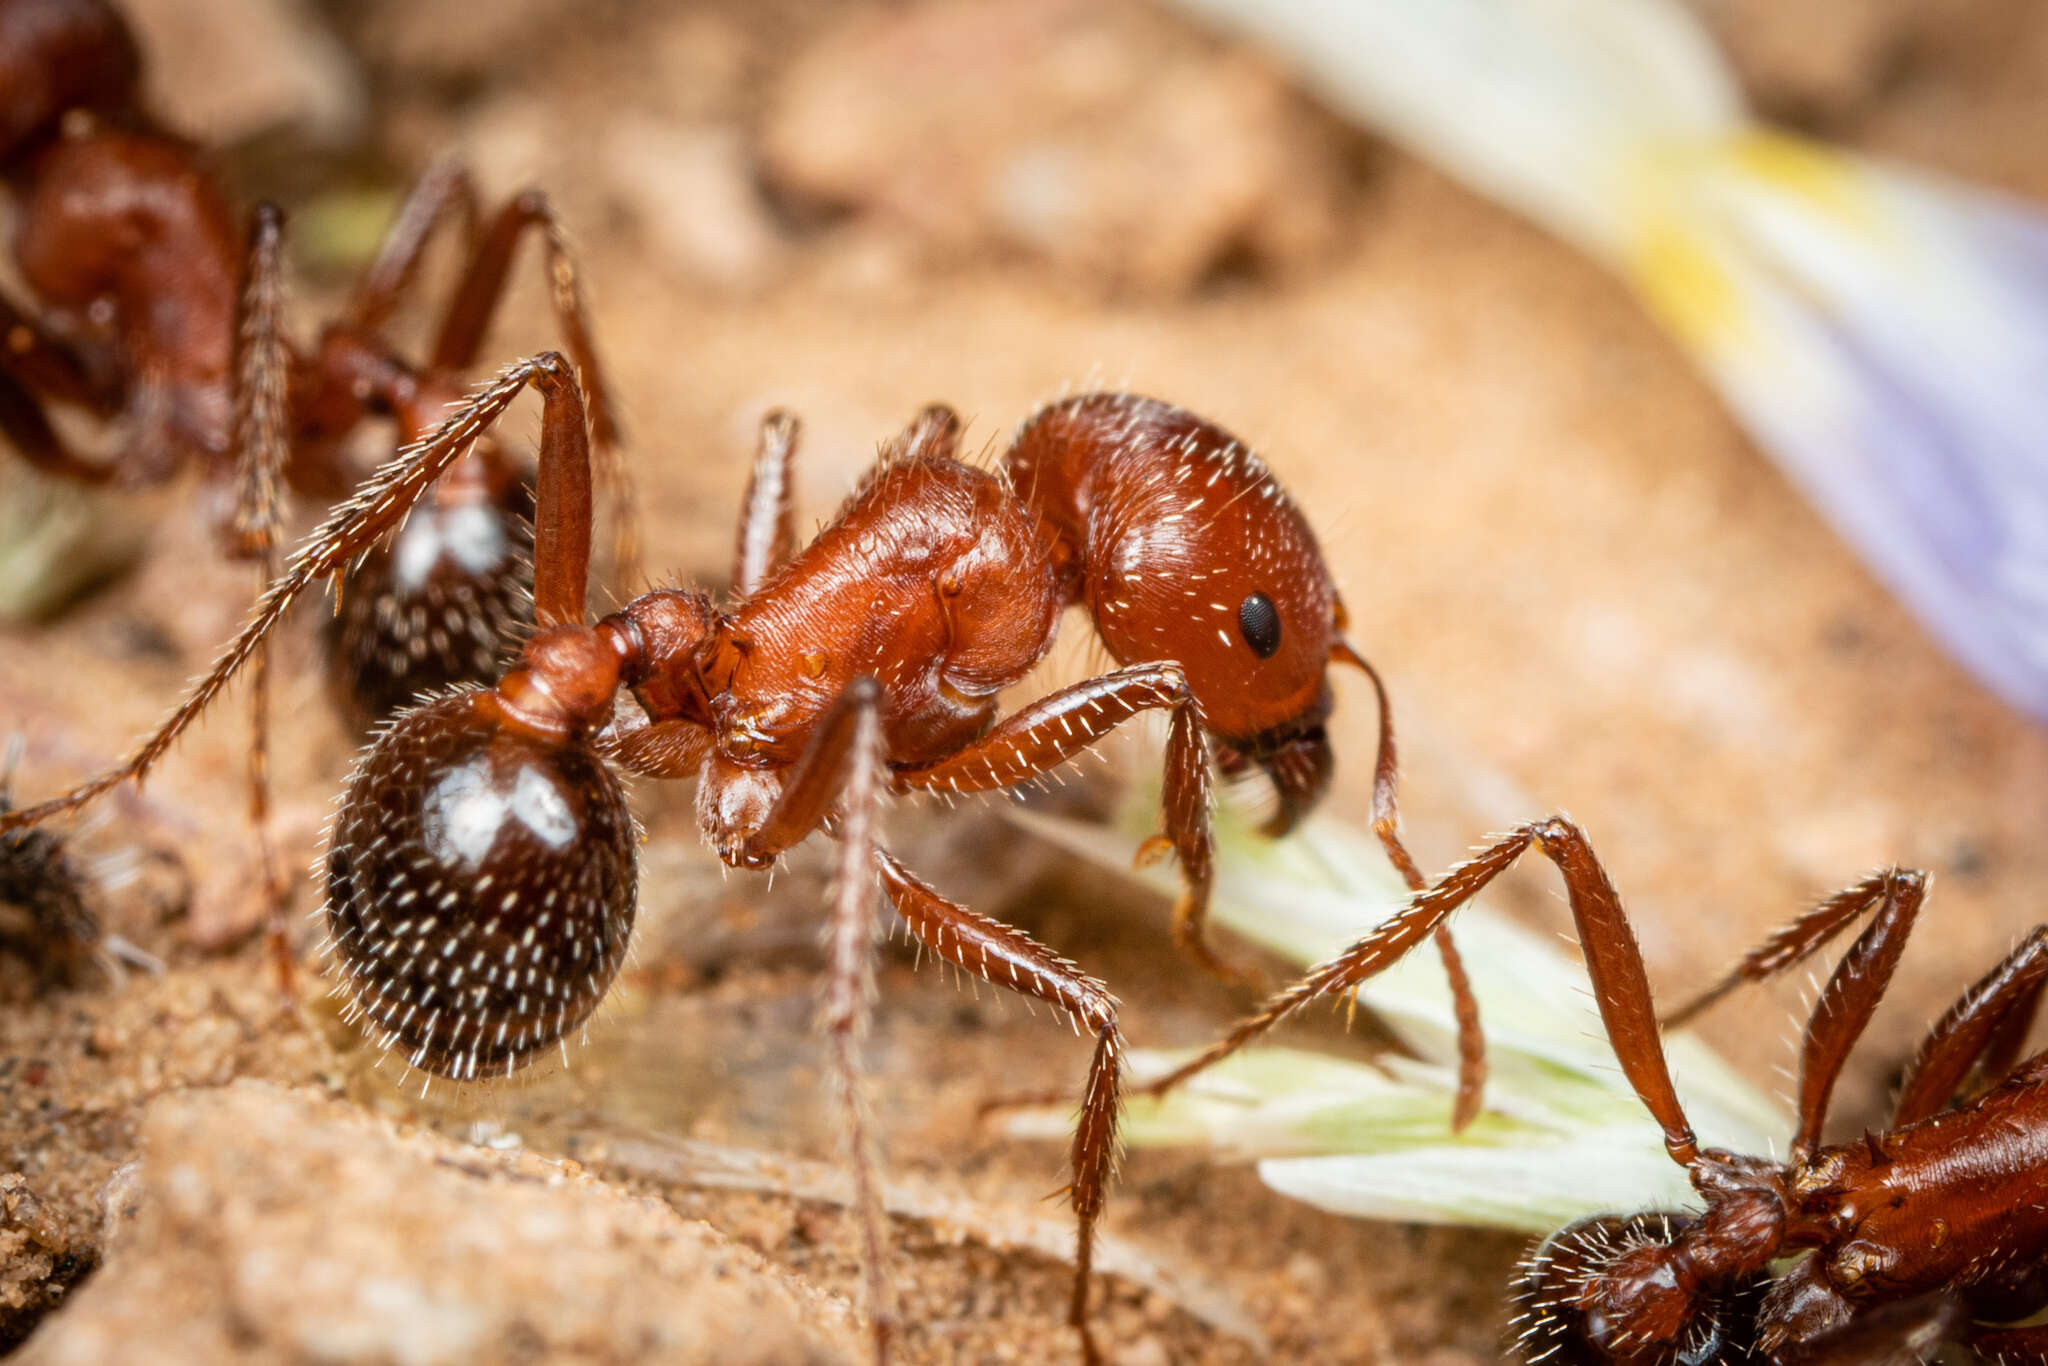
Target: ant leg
x,y
262,444
767,532
842,767
1613,961
33,363
27,429
349,530
443,189
1849,999
850,991
1032,742
1007,957
1386,824
45,365
2011,1346
1988,1024
1789,946
469,316
663,749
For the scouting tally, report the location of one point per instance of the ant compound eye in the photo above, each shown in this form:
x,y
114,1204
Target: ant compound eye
x,y
1258,621
480,889
1566,1309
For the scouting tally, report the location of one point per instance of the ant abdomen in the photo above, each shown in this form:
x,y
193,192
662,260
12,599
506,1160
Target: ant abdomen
x,y
1186,548
1556,1326
480,888
444,603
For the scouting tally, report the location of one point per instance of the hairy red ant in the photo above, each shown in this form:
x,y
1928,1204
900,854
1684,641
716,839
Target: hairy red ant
x,y
1931,1231
481,871
157,315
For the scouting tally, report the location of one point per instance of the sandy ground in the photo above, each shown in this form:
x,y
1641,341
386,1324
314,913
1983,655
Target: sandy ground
x,y
1587,590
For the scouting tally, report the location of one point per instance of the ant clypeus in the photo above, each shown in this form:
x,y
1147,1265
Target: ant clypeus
x,y
1931,1231
481,870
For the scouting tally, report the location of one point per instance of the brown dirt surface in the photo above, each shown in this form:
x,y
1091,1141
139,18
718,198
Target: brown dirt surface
x,y
1587,591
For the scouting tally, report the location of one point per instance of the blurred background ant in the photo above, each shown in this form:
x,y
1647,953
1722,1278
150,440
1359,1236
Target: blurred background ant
x,y
482,877
154,313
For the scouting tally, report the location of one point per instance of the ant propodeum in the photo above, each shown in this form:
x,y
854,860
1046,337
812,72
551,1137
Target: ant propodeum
x,y
481,872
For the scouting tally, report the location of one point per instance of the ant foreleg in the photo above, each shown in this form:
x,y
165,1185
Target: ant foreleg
x,y
1986,1026
1613,961
444,189
1386,824
1038,739
1907,1332
767,532
1007,957
468,318
349,531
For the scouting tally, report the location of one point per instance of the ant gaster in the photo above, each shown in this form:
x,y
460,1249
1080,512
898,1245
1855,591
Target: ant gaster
x,y
1933,1230
481,872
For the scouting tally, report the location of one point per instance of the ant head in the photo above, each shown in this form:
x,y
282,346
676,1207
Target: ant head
x,y
1605,1292
480,888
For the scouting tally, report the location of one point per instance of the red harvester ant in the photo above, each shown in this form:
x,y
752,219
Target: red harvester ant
x,y
1925,1233
481,871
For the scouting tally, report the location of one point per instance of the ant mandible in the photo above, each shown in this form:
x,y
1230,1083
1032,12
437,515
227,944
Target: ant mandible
x,y
481,873
1933,1230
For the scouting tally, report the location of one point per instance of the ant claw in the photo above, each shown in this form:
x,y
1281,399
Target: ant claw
x,y
1151,851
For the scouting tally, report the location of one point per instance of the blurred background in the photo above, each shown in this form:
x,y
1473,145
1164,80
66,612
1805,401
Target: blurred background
x,y
1588,588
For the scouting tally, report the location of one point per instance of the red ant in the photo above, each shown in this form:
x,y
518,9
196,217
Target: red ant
x,y
1931,1231
481,873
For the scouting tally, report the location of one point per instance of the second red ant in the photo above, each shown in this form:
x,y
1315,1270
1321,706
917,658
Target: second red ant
x,y
1877,1250
481,873
155,314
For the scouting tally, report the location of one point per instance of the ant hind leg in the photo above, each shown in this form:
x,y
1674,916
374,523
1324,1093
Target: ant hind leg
x,y
1985,1030
1007,957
